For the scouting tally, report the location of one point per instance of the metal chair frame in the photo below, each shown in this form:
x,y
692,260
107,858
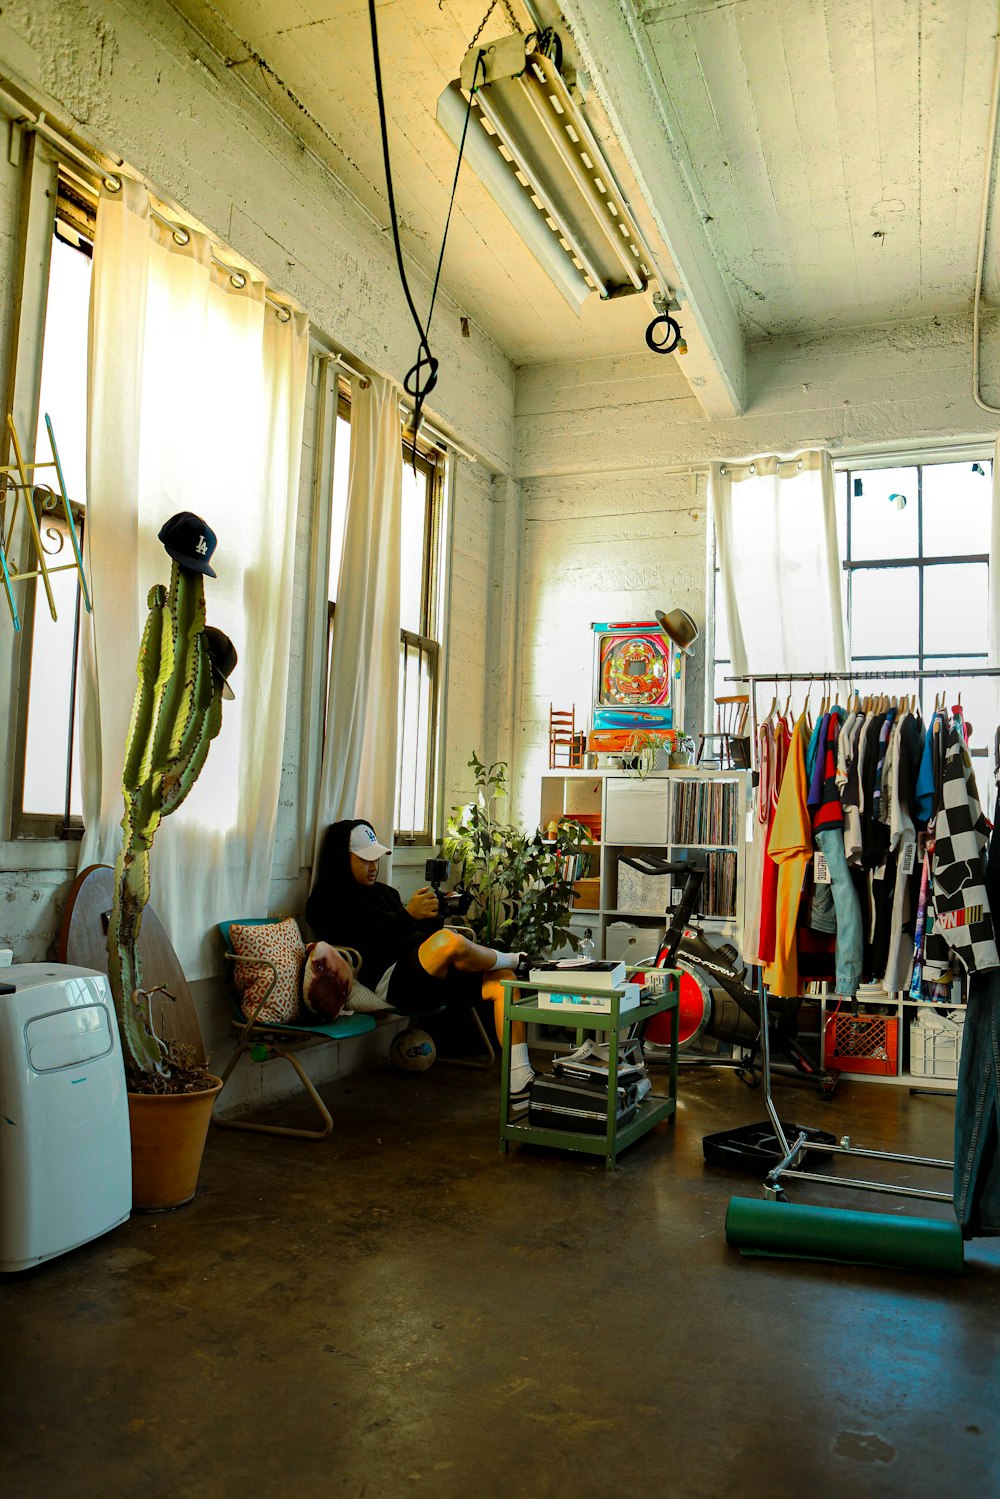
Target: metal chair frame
x,y
265,1033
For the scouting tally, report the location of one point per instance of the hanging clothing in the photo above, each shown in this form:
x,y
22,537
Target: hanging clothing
x,y
902,840
827,822
769,882
977,1111
977,1106
790,847
963,926
763,812
850,789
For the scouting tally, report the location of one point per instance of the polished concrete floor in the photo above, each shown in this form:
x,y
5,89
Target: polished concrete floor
x,y
400,1310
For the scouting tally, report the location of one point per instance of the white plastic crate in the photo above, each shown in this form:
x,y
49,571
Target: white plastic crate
x,y
936,1044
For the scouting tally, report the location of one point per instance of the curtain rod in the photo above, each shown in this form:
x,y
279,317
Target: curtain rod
x,y
864,676
238,277
425,425
113,181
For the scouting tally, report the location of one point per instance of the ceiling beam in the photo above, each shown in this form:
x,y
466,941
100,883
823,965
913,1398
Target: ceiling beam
x,y
616,53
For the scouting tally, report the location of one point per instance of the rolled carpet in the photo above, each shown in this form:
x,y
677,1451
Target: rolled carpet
x,y
792,1230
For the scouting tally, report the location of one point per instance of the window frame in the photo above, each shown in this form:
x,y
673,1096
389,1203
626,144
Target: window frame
x,y
924,659
851,467
76,210
430,460
52,191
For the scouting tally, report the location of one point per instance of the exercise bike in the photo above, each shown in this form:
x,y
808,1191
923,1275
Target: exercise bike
x,y
714,1000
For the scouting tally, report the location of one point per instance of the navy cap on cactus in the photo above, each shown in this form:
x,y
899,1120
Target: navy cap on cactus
x,y
224,658
189,541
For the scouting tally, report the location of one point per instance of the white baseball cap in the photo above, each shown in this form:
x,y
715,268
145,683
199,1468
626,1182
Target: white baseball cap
x,y
365,844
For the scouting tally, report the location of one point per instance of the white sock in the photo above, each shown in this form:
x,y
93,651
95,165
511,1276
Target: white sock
x,y
521,1071
506,960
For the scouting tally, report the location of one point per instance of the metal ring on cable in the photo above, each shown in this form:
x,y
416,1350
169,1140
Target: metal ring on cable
x,y
671,334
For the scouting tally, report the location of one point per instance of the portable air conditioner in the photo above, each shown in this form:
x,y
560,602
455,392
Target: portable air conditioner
x,y
65,1155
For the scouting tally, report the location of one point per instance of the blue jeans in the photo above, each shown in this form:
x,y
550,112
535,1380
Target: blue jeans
x,y
977,1111
848,908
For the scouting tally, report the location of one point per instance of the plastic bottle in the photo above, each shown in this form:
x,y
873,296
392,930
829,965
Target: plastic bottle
x,y
586,948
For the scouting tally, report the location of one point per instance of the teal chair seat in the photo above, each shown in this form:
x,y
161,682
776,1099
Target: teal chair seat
x,y
265,1035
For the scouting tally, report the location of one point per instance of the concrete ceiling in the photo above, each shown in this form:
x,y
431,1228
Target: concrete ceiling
x,y
319,51
797,165
836,150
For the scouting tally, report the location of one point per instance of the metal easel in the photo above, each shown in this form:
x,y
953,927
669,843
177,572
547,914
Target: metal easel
x,y
795,1151
25,485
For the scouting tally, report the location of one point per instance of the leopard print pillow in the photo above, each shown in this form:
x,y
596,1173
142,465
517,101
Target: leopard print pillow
x,y
280,942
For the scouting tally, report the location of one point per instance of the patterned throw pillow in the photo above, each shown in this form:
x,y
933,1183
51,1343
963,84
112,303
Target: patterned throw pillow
x,y
280,942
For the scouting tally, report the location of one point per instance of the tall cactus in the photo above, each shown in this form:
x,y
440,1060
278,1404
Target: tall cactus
x,y
176,713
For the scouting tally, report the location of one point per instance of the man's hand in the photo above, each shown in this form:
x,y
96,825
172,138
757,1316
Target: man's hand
x,y
422,904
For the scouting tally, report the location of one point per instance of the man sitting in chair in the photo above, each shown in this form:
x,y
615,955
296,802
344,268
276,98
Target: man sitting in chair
x,y
408,956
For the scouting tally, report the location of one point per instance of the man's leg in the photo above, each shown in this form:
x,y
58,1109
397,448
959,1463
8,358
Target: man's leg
x,y
447,952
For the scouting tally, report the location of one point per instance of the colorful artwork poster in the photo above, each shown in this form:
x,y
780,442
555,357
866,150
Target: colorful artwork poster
x,y
634,666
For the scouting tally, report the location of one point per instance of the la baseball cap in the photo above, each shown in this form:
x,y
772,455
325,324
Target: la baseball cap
x,y
365,844
189,541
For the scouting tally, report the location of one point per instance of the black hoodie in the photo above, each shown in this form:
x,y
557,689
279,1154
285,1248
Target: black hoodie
x,y
371,918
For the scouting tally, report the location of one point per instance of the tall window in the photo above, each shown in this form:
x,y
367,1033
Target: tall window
x,y
46,792
915,544
419,648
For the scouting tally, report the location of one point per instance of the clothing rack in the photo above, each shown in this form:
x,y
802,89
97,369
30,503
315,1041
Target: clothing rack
x,y
794,1152
751,680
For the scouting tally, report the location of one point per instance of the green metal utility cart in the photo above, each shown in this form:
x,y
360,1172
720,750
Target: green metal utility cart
x,y
653,1108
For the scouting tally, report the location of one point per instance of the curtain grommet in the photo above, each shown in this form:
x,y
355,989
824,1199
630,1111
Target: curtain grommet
x,y
238,280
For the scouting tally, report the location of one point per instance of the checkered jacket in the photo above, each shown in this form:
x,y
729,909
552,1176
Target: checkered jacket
x,y
962,927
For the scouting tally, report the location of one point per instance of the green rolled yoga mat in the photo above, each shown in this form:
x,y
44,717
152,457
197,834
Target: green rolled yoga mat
x,y
792,1230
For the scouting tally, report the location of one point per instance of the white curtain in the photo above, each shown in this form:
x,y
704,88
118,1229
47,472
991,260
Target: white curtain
x,y
776,527
994,585
196,400
359,756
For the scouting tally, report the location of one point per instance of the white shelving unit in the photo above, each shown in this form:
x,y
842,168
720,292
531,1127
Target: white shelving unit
x,y
903,1010
640,816
644,816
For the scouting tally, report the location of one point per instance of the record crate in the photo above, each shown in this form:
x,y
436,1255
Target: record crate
x,y
862,1043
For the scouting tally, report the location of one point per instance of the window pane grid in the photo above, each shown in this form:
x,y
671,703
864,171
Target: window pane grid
x,y
929,606
419,661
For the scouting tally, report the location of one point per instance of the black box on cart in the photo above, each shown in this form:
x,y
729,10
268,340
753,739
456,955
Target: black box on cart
x,y
555,1103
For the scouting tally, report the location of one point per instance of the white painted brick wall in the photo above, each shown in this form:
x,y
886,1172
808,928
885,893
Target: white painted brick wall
x,y
613,524
147,88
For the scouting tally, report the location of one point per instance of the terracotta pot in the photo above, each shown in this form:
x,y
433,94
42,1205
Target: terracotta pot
x,y
168,1140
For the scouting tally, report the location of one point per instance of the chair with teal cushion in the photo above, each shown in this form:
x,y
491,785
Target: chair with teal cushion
x,y
262,1039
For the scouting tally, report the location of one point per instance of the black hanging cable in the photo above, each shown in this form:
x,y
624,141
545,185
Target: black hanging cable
x,y
421,377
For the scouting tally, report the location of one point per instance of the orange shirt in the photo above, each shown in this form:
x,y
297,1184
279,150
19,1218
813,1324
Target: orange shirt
x,y
791,847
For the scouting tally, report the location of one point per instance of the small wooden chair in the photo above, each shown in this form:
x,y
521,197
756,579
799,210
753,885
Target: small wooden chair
x,y
732,715
566,746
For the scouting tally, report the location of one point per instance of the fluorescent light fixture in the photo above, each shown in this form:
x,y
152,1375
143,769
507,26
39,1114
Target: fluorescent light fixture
x,y
537,157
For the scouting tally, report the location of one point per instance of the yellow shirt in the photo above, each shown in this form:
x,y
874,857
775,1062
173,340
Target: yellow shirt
x,y
790,846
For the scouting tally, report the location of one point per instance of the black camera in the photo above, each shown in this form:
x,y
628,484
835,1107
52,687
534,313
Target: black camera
x,y
450,902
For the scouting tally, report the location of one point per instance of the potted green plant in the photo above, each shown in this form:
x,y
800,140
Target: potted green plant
x,y
519,884
176,713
